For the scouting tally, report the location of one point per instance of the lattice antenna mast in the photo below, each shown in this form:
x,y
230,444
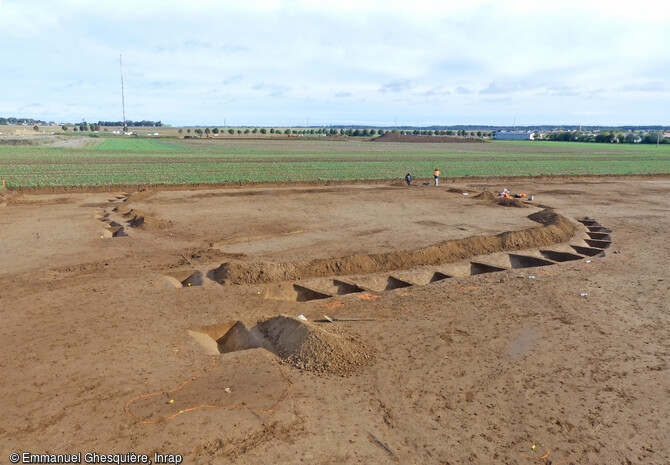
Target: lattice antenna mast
x,y
123,98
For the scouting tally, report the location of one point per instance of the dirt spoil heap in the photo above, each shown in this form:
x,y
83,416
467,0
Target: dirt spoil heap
x,y
309,347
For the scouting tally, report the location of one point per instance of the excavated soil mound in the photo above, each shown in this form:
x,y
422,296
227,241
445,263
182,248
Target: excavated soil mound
x,y
486,195
141,195
143,220
397,137
555,229
508,202
309,347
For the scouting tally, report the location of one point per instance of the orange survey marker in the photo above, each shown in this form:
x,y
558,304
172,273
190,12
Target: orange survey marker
x,y
367,296
333,304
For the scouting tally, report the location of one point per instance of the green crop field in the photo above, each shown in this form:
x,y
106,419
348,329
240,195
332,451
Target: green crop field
x,y
136,161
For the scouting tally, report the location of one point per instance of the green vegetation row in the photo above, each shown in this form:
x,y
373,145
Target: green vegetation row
x,y
140,161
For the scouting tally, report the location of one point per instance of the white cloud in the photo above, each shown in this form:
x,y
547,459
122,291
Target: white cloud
x,y
277,61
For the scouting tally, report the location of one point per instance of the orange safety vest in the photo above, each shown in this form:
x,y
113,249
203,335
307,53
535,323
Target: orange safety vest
x,y
437,172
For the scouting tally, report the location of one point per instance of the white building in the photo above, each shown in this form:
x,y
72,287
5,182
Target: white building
x,y
511,135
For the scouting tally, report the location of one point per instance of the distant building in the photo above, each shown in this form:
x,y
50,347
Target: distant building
x,y
511,135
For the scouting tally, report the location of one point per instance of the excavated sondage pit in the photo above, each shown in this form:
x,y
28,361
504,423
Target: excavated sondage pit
x,y
598,244
523,261
599,236
185,278
299,343
226,337
346,288
590,223
589,251
437,276
292,293
560,256
395,283
599,229
481,268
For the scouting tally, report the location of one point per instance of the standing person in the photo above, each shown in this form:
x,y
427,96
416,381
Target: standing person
x,y
408,178
437,176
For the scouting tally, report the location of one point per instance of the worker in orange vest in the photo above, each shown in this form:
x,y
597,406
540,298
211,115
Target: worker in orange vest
x,y
437,176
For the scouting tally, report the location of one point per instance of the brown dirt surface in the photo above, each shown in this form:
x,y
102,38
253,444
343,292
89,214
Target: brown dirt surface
x,y
567,347
397,137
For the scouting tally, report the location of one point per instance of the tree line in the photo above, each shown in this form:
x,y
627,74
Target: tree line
x,y
12,120
352,132
610,137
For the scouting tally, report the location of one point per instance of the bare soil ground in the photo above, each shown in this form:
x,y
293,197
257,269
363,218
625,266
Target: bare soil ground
x,y
533,338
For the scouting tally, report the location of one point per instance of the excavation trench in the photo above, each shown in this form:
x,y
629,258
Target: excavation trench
x,y
553,229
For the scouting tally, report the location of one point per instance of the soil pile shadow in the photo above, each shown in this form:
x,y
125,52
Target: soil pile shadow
x,y
309,347
554,229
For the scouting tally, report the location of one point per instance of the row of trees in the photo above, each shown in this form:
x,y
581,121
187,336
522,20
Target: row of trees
x,y
610,137
338,132
135,124
83,127
26,121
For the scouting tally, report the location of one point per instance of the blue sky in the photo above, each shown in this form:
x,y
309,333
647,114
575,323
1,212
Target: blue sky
x,y
282,62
